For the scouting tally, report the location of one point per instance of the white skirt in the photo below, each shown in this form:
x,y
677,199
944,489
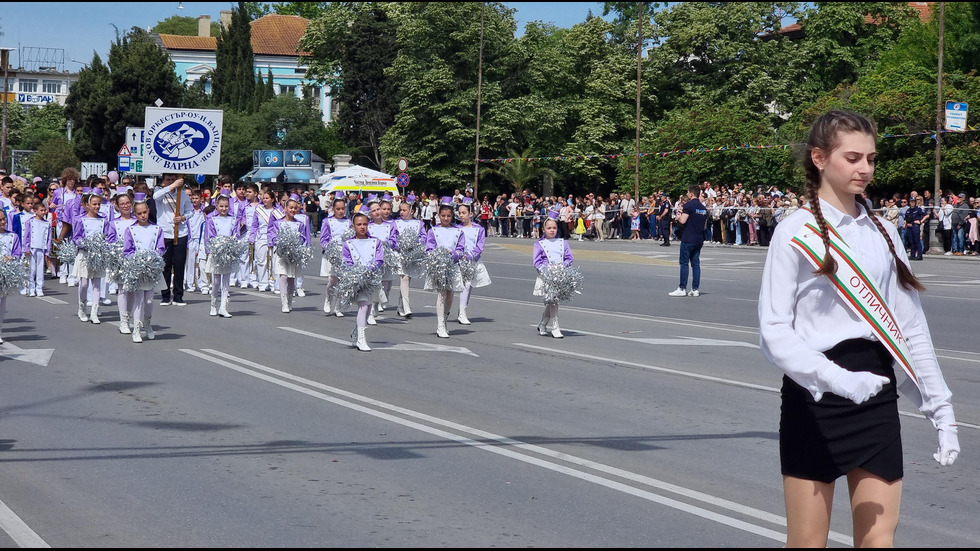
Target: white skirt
x,y
284,269
160,285
326,268
80,268
538,287
213,268
481,278
457,285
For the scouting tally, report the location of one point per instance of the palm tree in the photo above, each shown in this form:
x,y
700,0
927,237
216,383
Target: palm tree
x,y
519,172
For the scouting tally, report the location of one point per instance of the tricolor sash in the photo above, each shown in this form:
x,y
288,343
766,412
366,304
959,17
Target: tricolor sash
x,y
859,291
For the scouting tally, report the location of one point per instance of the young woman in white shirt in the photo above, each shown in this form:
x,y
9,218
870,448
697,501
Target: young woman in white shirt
x,y
839,413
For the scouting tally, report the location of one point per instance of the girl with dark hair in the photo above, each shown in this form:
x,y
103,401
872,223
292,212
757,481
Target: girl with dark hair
x,y
449,237
838,307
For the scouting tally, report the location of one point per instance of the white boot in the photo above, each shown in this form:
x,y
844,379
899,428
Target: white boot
x,y
81,312
371,320
543,326
335,304
223,308
462,319
285,302
361,342
137,327
328,304
94,316
383,302
441,325
214,306
406,310
124,324
148,329
553,326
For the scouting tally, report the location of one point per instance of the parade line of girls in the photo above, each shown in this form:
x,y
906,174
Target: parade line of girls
x,y
365,239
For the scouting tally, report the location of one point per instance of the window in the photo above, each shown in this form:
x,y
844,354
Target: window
x,y
28,85
283,90
51,86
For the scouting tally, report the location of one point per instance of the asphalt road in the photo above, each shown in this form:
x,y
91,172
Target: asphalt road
x,y
653,423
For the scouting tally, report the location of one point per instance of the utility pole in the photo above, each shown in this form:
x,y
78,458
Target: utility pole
x,y
939,100
479,99
5,60
639,59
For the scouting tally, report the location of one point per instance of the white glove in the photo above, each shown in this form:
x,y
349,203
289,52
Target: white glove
x,y
857,386
949,445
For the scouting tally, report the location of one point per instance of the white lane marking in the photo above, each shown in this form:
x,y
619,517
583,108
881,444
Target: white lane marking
x,y
679,341
18,530
214,356
730,382
39,356
52,300
410,346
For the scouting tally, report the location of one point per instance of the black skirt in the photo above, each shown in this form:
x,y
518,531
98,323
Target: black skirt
x,y
825,440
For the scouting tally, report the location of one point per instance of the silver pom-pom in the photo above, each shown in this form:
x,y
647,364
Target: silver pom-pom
x,y
354,281
13,276
291,249
411,249
393,259
226,252
67,251
443,272
96,251
467,269
115,261
335,250
560,283
141,271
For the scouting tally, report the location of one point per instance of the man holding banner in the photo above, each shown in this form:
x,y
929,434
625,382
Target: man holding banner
x,y
173,208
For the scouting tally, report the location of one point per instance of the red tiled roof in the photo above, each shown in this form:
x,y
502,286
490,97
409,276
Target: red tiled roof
x,y
272,34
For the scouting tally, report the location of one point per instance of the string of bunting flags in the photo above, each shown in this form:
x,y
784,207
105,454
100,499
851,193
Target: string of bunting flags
x,y
931,134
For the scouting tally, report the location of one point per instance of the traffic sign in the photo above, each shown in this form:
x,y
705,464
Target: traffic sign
x,y
124,151
123,164
403,164
956,116
402,179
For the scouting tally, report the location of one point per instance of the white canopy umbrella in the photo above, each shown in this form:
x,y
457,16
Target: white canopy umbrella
x,y
358,178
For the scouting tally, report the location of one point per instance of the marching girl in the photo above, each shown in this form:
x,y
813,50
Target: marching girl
x,y
385,230
550,249
367,251
301,217
445,236
37,240
475,236
140,236
827,262
10,251
116,232
407,224
332,230
220,224
287,273
194,278
258,236
89,224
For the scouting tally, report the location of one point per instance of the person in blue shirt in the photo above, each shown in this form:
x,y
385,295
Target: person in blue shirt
x,y
913,228
694,217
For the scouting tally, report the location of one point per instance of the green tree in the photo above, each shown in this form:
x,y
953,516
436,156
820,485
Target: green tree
x,y
353,44
43,124
52,157
183,26
233,78
140,73
87,107
520,173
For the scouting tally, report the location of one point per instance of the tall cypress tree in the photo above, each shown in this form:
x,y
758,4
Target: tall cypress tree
x,y
234,76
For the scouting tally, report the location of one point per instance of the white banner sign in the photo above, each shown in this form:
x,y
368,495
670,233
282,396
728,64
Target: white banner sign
x,y
182,140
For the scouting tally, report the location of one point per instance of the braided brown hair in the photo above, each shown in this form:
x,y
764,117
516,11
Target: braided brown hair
x,y
823,135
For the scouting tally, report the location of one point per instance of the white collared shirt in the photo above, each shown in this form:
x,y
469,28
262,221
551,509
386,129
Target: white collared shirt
x,y
801,314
